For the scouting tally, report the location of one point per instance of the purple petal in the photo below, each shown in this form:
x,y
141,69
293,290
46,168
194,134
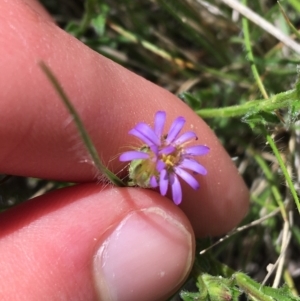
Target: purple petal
x,y
187,178
163,182
185,137
154,149
197,150
145,133
153,182
141,136
176,127
176,189
193,165
160,165
148,132
160,119
133,155
167,150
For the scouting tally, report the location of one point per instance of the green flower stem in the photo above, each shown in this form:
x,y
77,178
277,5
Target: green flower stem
x,y
263,91
292,27
247,43
82,131
251,288
290,282
250,55
151,47
270,177
258,292
284,170
278,101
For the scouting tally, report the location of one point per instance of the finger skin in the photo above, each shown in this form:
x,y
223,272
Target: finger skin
x,y
39,9
48,244
41,140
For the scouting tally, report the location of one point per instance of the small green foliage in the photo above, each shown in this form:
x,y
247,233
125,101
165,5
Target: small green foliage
x,y
191,100
99,21
256,291
190,296
95,16
223,284
218,288
139,173
260,119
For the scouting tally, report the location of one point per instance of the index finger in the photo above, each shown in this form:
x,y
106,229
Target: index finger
x,y
40,141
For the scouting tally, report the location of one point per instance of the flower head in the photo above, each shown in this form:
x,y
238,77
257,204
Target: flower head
x,y
163,159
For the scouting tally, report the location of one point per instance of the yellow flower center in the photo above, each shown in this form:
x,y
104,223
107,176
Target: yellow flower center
x,y
172,159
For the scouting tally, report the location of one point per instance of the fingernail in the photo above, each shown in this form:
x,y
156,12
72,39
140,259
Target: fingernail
x,y
146,256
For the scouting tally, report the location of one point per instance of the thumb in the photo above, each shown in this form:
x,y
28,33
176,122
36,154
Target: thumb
x,y
92,243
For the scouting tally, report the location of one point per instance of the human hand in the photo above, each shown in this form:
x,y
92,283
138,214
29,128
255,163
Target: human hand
x,y
91,242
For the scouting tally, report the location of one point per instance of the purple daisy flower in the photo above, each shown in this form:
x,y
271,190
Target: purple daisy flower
x,y
163,159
